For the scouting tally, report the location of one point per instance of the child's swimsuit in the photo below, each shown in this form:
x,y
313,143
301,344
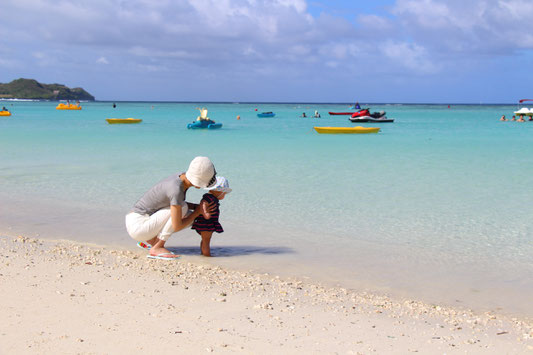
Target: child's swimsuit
x,y
203,225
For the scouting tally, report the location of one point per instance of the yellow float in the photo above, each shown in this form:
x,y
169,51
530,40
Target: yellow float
x,y
5,113
123,120
340,130
68,107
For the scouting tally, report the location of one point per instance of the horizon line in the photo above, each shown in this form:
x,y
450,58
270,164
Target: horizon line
x,y
309,102
278,102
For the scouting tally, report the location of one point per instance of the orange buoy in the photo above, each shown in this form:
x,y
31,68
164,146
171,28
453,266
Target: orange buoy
x,y
238,117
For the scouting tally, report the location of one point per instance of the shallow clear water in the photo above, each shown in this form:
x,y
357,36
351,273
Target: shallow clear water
x,y
437,205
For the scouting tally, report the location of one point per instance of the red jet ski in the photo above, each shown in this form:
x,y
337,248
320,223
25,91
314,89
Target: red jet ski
x,y
366,112
361,113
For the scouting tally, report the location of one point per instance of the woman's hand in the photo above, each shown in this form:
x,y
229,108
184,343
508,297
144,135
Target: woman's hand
x,y
207,208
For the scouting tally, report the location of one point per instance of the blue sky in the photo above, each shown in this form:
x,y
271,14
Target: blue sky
x,y
416,51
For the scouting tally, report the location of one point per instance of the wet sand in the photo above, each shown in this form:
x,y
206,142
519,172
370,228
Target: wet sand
x,y
70,297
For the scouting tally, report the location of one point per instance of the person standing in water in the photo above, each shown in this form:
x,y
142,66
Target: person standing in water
x,y
207,222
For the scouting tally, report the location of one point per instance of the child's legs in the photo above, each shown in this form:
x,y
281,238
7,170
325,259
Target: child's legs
x,y
205,245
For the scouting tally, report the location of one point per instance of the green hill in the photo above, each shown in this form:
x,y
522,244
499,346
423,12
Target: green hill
x,y
32,89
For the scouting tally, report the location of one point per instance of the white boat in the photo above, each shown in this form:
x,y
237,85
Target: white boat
x,y
524,111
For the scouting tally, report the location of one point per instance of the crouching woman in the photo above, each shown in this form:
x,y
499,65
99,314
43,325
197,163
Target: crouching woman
x,y
162,210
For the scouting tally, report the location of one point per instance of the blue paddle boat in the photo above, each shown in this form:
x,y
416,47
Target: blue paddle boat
x,y
203,122
266,114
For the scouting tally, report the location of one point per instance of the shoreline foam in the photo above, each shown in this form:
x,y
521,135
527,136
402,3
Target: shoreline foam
x,y
69,296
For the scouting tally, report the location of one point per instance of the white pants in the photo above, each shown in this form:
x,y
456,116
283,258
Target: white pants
x,y
143,227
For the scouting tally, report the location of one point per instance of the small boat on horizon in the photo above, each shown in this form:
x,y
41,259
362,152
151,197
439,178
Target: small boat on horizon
x,y
266,114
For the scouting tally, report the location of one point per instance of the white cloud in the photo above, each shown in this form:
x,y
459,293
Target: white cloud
x,y
102,60
151,68
487,26
8,63
43,58
518,10
299,5
299,50
428,13
418,36
375,22
250,51
410,55
154,53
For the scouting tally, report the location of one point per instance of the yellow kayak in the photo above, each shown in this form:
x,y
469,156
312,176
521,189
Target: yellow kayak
x,y
5,113
337,130
68,107
123,120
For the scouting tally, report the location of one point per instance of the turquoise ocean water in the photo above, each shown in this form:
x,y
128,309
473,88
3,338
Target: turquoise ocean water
x,y
437,206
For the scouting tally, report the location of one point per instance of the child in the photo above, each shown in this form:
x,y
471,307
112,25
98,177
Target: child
x,y
207,223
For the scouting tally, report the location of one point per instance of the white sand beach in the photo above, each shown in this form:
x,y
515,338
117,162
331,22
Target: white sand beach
x,y
344,162
70,297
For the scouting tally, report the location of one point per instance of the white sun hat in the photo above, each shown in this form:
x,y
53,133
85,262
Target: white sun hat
x,y
201,172
222,184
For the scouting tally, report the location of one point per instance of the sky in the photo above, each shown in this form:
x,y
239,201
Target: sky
x,y
395,51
